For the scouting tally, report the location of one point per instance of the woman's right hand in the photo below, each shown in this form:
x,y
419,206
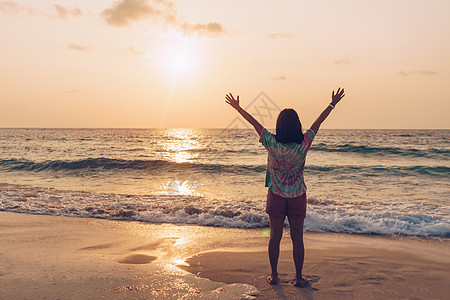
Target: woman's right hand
x,y
233,102
335,98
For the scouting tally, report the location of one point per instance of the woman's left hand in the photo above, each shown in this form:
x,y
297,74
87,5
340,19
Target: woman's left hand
x,y
335,98
233,102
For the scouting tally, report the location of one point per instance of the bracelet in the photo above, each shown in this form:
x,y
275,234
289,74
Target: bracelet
x,y
239,110
331,105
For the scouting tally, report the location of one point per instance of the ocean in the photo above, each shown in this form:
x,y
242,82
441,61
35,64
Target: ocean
x,y
383,182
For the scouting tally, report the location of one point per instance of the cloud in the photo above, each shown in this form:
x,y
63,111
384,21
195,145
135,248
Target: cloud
x,y
77,47
343,61
13,8
63,12
210,29
279,35
416,72
125,12
130,51
279,78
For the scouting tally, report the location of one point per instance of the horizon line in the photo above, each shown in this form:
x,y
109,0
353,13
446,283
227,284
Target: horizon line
x,y
214,128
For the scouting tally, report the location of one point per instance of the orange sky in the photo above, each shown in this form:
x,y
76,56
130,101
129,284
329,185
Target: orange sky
x,y
162,63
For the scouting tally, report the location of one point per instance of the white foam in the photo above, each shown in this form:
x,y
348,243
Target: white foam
x,y
233,291
391,222
322,215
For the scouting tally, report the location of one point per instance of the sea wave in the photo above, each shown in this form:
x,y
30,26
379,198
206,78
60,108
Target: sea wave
x,y
323,215
362,149
84,166
369,171
98,164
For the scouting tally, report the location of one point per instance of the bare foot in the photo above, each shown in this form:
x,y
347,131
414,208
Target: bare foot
x,y
301,282
273,280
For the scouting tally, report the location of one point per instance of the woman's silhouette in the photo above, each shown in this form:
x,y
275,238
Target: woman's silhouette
x,y
286,195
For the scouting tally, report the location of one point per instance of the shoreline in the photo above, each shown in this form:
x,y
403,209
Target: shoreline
x,y
75,258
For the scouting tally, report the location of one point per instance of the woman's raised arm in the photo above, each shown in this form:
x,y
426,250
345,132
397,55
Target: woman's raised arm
x,y
335,98
235,104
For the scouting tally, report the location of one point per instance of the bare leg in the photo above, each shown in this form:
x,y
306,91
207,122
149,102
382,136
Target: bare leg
x,y
276,232
296,226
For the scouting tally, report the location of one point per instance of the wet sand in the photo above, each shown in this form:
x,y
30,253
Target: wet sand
x,y
74,258
335,273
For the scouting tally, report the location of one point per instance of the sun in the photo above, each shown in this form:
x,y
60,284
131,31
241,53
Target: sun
x,y
180,66
179,58
179,61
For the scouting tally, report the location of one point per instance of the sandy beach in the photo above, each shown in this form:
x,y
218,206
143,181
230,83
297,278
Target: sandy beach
x,y
57,257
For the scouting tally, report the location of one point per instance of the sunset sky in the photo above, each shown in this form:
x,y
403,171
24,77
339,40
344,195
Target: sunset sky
x,y
162,63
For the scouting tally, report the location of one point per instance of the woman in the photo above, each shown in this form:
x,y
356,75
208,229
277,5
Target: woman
x,y
284,178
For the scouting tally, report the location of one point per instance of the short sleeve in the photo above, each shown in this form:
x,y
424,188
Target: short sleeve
x,y
267,138
261,134
310,134
308,137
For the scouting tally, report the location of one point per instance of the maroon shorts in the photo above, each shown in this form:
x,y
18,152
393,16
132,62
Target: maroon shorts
x,y
281,207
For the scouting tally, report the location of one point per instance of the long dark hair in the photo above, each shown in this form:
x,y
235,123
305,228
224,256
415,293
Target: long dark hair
x,y
289,128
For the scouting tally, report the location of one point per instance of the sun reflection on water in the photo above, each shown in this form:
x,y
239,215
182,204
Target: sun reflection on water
x,y
179,187
179,262
180,145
